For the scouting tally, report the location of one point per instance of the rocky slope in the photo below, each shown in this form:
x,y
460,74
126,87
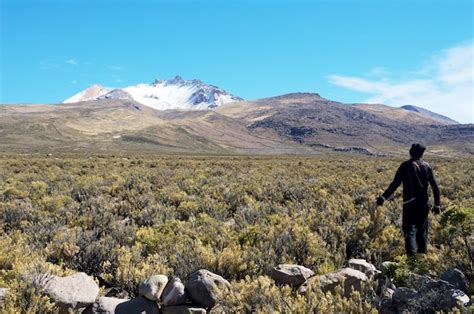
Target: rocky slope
x,y
429,114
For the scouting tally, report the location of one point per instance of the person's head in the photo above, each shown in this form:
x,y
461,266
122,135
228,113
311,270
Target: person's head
x,y
416,151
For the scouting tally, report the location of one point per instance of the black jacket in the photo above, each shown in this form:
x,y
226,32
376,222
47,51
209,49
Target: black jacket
x,y
415,175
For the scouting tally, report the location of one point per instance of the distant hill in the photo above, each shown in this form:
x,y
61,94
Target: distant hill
x,y
298,123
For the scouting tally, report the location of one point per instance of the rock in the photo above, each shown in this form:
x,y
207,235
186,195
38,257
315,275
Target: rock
x,y
433,295
387,292
173,293
403,294
457,278
385,302
403,298
75,291
459,296
289,274
3,295
363,266
152,287
106,305
352,279
182,309
205,288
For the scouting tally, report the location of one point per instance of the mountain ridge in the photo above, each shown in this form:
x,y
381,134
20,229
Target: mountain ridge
x,y
298,123
176,93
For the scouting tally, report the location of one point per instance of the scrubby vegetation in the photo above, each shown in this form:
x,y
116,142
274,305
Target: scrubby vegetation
x,y
123,219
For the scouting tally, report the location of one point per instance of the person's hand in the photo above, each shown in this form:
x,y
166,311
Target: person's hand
x,y
379,201
436,210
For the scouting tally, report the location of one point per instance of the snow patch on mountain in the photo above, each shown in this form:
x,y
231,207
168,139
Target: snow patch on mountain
x,y
91,93
169,94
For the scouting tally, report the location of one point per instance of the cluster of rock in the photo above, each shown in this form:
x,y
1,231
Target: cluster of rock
x,y
205,290
424,294
157,294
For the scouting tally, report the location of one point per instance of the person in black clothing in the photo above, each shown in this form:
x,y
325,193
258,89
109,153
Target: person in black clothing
x,y
415,174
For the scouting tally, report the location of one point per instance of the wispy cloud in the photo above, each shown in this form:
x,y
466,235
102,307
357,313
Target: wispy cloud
x,y
443,84
72,61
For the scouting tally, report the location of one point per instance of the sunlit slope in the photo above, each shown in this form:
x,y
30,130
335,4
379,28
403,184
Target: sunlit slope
x,y
300,123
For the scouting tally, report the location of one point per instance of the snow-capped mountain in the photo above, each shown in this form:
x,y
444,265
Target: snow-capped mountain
x,y
165,94
91,93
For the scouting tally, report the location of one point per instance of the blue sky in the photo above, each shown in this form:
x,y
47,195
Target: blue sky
x,y
394,52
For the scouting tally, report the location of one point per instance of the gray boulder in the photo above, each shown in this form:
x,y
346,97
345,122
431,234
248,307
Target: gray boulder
x,y
404,298
363,266
152,287
106,305
206,288
432,295
72,292
289,274
174,293
182,309
348,277
457,278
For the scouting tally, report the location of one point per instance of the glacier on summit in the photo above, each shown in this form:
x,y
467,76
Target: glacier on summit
x,y
165,94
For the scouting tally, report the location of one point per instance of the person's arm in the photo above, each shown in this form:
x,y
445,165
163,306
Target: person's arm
x,y
397,180
436,193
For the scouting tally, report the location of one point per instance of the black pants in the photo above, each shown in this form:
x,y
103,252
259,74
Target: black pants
x,y
415,227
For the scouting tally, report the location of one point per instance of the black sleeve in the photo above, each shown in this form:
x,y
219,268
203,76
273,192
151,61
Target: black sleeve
x,y
395,183
434,187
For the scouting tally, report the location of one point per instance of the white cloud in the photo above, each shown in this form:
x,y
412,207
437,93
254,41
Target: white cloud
x,y
72,61
444,84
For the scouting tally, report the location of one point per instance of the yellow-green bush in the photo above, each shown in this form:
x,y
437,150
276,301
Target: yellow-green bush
x,y
122,219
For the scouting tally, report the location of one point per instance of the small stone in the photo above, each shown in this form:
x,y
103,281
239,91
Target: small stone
x,y
457,278
289,274
173,293
459,296
363,266
152,287
3,295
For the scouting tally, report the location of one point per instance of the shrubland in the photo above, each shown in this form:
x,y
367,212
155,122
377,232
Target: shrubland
x,y
121,219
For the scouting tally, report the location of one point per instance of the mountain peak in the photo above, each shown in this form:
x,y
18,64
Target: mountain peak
x,y
177,80
176,93
93,92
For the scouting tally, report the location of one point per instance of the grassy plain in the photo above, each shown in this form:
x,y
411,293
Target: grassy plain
x,y
122,218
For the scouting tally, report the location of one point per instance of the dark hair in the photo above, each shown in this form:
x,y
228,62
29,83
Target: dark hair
x,y
417,150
